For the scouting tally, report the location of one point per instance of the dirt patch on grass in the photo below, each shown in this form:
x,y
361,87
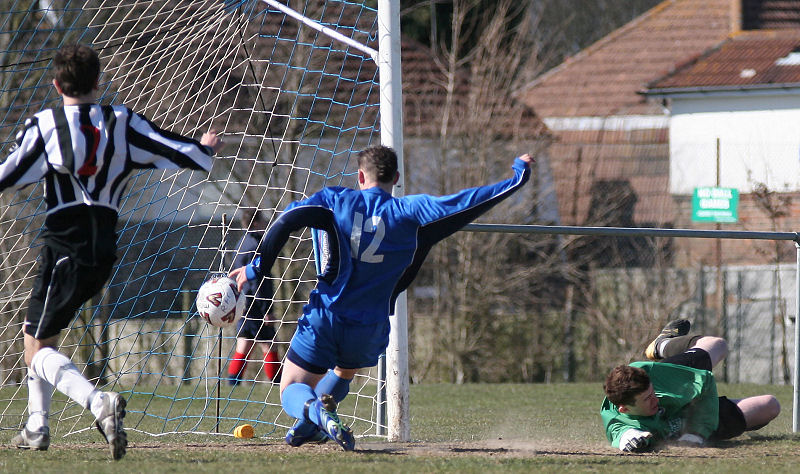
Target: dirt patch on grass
x,y
740,448
491,448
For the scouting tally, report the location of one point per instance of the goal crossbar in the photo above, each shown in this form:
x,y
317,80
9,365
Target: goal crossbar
x,y
323,29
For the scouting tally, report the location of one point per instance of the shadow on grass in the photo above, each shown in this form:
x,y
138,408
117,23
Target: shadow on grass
x,y
755,439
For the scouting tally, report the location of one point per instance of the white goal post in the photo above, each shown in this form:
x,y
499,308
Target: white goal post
x,y
397,376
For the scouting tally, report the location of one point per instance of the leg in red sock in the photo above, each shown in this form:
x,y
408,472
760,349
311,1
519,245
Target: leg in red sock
x,y
272,365
236,368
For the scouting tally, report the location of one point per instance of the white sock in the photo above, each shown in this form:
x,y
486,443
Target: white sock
x,y
661,346
59,371
40,393
96,403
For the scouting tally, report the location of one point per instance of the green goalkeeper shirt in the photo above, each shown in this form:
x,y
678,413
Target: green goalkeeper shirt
x,y
687,403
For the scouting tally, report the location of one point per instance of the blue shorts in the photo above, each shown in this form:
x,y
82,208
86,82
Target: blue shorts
x,y
323,341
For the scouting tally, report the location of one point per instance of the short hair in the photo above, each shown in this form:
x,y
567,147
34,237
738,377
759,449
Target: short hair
x,y
379,162
625,383
77,69
249,215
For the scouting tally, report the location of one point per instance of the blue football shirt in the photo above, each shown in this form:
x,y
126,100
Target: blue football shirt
x,y
376,242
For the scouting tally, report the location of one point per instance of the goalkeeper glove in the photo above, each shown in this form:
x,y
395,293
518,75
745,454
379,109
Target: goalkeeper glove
x,y
690,439
635,441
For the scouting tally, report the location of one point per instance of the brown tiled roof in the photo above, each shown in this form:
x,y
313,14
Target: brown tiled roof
x,y
425,95
604,79
746,60
285,76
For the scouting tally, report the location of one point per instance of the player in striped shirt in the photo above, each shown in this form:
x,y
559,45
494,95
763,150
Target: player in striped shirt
x,y
85,153
377,244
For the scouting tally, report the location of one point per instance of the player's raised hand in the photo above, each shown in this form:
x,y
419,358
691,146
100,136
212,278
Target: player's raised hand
x,y
211,139
527,158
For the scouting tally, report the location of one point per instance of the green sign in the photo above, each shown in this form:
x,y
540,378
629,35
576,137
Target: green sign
x,y
715,205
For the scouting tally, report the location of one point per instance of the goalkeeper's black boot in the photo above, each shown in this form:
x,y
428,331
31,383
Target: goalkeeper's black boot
x,y
679,327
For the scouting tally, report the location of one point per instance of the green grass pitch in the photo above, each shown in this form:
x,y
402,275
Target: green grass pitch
x,y
455,428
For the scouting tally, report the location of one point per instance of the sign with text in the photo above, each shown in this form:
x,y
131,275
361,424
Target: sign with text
x,y
715,205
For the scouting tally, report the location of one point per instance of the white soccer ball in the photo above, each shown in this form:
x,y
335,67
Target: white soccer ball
x,y
219,302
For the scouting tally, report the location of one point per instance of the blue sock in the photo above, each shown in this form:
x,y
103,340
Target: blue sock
x,y
304,428
293,401
334,385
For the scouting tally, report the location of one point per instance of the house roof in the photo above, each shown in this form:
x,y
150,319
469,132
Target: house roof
x,y
748,60
303,76
471,108
604,78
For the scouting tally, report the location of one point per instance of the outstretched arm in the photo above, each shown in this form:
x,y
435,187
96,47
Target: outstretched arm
x,y
442,216
27,163
153,147
296,217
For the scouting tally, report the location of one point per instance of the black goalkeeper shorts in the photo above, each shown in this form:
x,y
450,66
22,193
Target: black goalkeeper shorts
x,y
731,421
250,327
694,358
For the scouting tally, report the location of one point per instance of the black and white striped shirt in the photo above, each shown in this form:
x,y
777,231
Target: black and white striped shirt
x,y
86,154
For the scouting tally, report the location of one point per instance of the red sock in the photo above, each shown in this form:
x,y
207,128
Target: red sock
x,y
271,364
237,365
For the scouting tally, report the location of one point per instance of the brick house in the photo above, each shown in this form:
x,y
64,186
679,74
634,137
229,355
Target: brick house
x,y
636,118
611,107
733,122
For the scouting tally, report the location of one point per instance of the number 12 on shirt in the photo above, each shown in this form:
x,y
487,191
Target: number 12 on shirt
x,y
373,226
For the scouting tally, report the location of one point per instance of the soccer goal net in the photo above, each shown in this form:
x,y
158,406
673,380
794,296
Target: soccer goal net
x,y
293,89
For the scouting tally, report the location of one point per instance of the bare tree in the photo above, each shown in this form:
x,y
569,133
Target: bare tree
x,y
777,207
477,290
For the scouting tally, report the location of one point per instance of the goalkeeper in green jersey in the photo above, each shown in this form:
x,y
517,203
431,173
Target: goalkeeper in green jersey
x,y
673,397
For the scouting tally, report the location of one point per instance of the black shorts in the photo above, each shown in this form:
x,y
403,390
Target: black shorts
x,y
731,421
61,287
731,418
695,358
255,328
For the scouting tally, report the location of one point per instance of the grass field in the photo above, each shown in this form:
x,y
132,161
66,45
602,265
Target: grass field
x,y
455,428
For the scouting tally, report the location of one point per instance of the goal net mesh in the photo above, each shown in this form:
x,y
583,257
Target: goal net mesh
x,y
292,103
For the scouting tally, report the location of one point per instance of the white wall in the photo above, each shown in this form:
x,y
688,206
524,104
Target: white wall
x,y
759,141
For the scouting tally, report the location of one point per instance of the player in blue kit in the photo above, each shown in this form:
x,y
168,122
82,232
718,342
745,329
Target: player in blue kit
x,y
376,244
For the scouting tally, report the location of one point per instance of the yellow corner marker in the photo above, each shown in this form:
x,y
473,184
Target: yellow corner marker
x,y
244,431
